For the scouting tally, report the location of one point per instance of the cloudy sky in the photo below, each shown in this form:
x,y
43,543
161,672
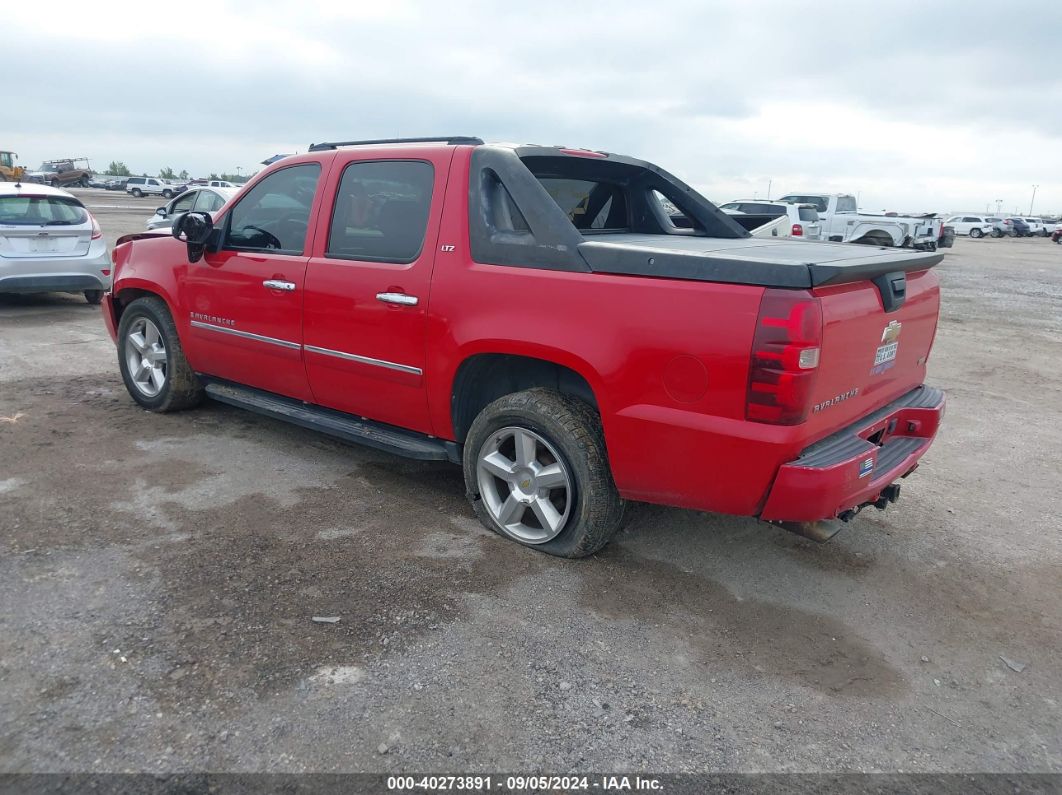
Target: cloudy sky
x,y
913,105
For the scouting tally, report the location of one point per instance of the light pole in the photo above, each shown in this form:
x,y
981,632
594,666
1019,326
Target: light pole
x,y
1033,199
999,206
769,181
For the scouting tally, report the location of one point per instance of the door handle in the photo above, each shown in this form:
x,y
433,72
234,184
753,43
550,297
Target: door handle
x,y
398,298
277,284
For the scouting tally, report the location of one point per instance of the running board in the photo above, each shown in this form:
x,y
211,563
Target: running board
x,y
334,423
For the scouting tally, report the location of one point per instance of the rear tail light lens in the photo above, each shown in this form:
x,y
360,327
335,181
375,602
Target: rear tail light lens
x,y
97,233
797,230
785,357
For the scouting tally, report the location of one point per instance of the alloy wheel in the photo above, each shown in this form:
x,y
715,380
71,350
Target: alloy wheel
x,y
525,485
145,357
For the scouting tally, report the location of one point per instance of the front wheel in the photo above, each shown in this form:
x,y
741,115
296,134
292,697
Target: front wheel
x,y
167,194
537,471
151,359
976,233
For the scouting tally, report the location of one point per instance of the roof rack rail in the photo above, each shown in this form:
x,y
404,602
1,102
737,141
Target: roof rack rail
x,y
452,140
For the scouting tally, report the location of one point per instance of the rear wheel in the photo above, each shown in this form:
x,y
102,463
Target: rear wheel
x,y
137,192
151,359
93,296
975,233
536,471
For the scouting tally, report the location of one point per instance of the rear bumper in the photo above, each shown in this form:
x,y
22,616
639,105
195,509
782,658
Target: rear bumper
x,y
852,467
53,283
58,274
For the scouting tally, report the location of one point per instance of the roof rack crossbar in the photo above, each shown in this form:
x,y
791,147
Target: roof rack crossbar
x,y
452,140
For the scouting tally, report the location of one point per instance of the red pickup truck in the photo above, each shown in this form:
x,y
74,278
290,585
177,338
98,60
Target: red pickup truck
x,y
575,328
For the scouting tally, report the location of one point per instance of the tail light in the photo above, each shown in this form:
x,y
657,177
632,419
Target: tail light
x,y
785,358
797,230
97,233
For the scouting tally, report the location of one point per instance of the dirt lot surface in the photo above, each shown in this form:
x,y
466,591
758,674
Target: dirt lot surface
x,y
159,575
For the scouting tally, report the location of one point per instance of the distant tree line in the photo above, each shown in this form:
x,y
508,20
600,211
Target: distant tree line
x,y
119,169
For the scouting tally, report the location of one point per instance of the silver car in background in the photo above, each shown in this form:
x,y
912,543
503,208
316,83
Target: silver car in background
x,y
49,242
203,200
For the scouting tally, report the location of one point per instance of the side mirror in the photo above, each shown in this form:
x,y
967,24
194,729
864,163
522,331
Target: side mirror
x,y
160,211
195,229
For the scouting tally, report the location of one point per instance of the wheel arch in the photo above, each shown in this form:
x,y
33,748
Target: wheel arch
x,y
484,376
127,291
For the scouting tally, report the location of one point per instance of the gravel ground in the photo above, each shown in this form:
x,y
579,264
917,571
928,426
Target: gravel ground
x,y
159,575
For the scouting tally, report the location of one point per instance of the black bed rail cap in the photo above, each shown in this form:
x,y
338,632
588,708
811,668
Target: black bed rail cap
x,y
452,140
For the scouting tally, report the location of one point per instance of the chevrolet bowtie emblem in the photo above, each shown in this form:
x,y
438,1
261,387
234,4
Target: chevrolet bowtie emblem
x,y
891,332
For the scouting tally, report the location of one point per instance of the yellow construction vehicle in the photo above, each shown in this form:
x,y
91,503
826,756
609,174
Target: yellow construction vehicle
x,y
9,172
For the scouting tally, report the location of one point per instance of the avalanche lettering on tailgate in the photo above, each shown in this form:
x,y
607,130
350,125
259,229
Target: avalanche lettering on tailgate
x,y
217,321
851,393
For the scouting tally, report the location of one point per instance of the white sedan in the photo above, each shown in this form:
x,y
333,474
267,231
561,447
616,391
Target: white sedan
x,y
204,200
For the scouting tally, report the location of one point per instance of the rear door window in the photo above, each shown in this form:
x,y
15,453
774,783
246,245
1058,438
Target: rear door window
x,y
808,214
41,211
381,211
274,215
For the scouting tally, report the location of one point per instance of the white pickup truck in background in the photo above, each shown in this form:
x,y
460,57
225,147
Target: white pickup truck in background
x,y
764,218
843,222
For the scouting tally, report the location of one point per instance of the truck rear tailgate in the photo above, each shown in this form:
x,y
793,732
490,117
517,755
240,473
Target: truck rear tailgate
x,y
870,357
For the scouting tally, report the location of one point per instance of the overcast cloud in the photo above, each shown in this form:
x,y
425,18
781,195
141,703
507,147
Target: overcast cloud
x,y
912,105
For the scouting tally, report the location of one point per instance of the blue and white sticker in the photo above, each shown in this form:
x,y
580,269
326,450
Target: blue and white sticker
x,y
866,466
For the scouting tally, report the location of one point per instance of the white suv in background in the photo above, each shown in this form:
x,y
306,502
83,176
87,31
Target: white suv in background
x,y
151,186
972,225
1036,226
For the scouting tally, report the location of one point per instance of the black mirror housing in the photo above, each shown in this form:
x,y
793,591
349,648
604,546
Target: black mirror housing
x,y
195,229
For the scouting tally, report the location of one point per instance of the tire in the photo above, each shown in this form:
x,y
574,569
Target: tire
x,y
84,183
167,194
137,192
54,183
178,388
569,443
976,233
93,296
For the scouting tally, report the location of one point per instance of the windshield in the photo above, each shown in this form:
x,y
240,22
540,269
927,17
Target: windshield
x,y
41,211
